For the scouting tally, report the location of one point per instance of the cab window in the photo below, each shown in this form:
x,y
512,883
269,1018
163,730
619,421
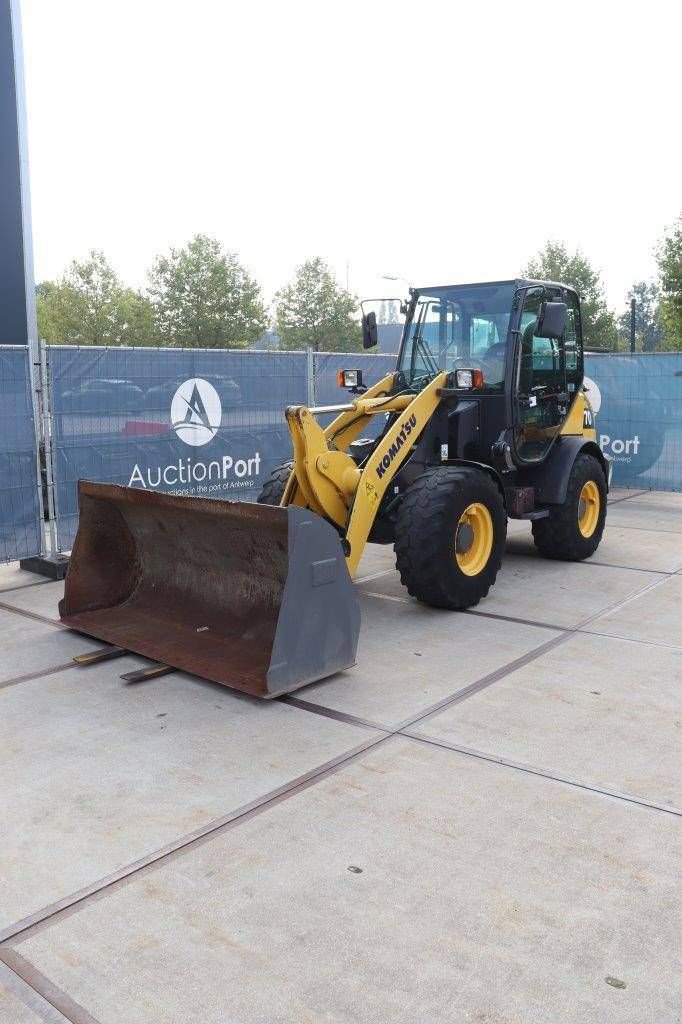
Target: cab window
x,y
541,383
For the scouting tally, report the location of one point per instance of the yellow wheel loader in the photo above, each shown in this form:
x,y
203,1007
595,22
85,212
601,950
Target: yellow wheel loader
x,y
484,419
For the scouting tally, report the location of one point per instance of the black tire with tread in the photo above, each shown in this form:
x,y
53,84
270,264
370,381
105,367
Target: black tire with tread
x,y
425,536
272,491
558,536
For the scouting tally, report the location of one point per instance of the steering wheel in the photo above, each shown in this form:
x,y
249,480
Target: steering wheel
x,y
496,351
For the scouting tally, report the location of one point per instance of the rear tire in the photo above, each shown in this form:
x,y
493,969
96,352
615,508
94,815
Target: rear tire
x,y
572,531
274,487
450,536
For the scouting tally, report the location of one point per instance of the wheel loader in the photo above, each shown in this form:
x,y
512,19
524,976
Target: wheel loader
x,y
484,419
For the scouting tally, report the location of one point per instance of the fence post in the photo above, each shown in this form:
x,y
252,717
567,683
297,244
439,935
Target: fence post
x,y
310,377
36,404
50,562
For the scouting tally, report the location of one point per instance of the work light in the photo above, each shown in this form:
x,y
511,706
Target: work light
x,y
349,378
467,379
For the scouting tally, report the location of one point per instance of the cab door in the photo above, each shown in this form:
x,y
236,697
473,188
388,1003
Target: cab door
x,y
542,397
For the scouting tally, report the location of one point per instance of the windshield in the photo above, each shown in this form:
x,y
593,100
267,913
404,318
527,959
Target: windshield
x,y
459,326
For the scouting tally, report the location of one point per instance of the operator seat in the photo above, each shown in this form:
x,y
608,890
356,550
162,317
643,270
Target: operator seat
x,y
493,357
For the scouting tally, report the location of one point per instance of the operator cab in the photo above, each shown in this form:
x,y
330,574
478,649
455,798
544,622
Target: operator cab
x,y
524,338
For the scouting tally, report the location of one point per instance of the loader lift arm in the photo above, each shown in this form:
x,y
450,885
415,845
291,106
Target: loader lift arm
x,y
327,480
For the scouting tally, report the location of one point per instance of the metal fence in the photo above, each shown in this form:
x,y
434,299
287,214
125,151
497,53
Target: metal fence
x,y
638,399
20,491
210,423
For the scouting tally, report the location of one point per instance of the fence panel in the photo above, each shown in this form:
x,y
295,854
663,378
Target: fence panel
x,y
211,422
639,416
187,421
20,511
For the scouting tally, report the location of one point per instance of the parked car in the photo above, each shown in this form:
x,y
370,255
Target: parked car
x,y
160,395
102,395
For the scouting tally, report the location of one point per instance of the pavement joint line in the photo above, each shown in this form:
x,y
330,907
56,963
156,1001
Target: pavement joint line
x,y
504,762
587,561
338,716
525,659
471,611
647,529
37,675
612,565
617,501
68,1009
55,623
25,586
653,503
374,576
468,691
512,618
29,997
24,929
631,639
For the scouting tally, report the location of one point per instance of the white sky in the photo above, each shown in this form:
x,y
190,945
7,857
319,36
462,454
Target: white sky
x,y
441,141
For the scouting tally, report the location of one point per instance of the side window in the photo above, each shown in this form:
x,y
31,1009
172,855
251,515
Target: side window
x,y
541,363
541,383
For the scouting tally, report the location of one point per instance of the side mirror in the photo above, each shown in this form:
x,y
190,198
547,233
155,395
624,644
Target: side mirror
x,y
552,320
370,334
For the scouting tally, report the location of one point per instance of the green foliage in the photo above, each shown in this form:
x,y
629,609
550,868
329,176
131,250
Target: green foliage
x,y
553,263
649,331
314,311
669,256
204,297
90,306
389,312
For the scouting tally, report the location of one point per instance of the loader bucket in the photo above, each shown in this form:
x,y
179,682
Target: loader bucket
x,y
252,596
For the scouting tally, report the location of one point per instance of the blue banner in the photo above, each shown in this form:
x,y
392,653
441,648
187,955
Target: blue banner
x,y
208,423
638,402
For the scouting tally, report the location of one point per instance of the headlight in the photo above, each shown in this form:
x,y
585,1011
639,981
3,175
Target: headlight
x,y
468,379
349,378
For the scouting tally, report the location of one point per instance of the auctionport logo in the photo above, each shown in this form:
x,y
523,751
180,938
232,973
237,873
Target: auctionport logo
x,y
196,411
196,415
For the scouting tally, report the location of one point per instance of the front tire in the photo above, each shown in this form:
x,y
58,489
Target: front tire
x,y
450,536
572,531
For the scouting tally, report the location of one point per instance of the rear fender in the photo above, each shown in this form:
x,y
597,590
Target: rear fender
x,y
550,479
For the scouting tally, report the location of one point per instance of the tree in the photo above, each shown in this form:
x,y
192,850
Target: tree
x,y
649,332
669,256
553,263
90,306
389,312
314,311
204,297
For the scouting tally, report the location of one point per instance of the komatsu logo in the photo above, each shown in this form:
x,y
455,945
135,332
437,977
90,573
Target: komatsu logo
x,y
196,411
406,429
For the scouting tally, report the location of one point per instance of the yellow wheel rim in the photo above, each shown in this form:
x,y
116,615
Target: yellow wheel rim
x,y
589,507
474,539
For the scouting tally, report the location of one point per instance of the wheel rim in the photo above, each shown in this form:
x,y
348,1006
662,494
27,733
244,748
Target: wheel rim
x,y
589,506
474,539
